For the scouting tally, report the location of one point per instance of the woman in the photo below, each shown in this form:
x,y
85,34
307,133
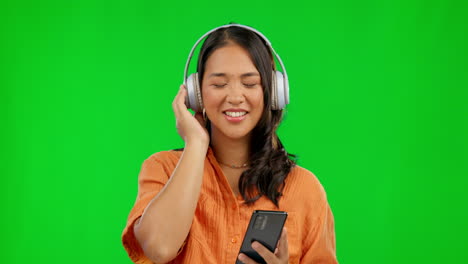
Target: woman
x,y
194,205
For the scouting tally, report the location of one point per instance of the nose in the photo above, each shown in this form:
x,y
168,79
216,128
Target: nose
x,y
235,95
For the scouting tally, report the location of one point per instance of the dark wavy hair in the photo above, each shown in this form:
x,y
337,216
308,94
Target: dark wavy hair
x,y
270,164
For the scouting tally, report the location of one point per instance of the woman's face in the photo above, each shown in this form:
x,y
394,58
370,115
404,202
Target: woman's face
x,y
232,92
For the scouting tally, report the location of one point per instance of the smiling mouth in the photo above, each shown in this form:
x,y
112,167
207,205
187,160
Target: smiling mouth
x,y
235,114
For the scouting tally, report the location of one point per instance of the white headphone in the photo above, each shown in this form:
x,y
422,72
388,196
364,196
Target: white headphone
x,y
280,89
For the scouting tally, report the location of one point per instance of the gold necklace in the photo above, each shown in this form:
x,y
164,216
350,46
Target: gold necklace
x,y
234,166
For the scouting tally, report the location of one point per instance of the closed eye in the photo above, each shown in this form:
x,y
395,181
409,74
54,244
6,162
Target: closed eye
x,y
219,85
249,85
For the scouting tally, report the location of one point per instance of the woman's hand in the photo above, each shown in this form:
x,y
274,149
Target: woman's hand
x,y
190,128
281,255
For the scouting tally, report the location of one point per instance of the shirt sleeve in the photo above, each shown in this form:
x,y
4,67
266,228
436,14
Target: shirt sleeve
x,y
321,245
154,174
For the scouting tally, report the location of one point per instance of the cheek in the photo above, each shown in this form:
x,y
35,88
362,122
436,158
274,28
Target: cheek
x,y
257,100
210,99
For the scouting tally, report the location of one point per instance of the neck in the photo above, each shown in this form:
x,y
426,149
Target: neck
x,y
230,151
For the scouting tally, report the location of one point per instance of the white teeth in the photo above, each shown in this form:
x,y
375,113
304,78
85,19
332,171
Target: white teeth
x,y
235,114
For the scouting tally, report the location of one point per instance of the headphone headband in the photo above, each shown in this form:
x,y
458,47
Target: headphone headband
x,y
285,79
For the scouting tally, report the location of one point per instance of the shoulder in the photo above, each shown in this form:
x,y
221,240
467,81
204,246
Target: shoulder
x,y
166,160
302,185
165,157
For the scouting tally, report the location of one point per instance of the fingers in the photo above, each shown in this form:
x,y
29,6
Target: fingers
x,y
190,128
266,254
199,117
178,105
281,254
246,260
175,101
282,248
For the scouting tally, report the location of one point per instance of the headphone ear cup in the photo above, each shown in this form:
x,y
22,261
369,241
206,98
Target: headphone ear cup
x,y
193,99
279,97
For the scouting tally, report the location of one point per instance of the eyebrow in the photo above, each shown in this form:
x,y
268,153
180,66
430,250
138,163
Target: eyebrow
x,y
222,74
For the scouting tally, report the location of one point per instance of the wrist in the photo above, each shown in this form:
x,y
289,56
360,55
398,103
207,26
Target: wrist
x,y
197,146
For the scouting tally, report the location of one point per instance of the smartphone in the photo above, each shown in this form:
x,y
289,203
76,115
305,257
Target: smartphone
x,y
264,227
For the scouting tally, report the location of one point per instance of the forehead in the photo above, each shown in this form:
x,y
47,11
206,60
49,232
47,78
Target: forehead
x,y
231,60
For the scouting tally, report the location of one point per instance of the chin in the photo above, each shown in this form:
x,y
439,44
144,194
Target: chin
x,y
232,133
236,135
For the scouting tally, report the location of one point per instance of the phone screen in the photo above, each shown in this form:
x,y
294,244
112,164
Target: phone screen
x,y
264,227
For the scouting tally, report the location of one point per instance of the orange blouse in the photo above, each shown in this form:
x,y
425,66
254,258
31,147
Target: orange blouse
x,y
221,218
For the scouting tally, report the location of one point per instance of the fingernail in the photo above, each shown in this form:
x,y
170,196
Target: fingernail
x,y
255,245
241,257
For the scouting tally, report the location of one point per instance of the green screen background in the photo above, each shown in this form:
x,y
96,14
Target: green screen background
x,y
378,112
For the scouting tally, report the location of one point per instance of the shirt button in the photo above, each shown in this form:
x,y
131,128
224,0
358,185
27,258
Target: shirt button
x,y
234,207
233,240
